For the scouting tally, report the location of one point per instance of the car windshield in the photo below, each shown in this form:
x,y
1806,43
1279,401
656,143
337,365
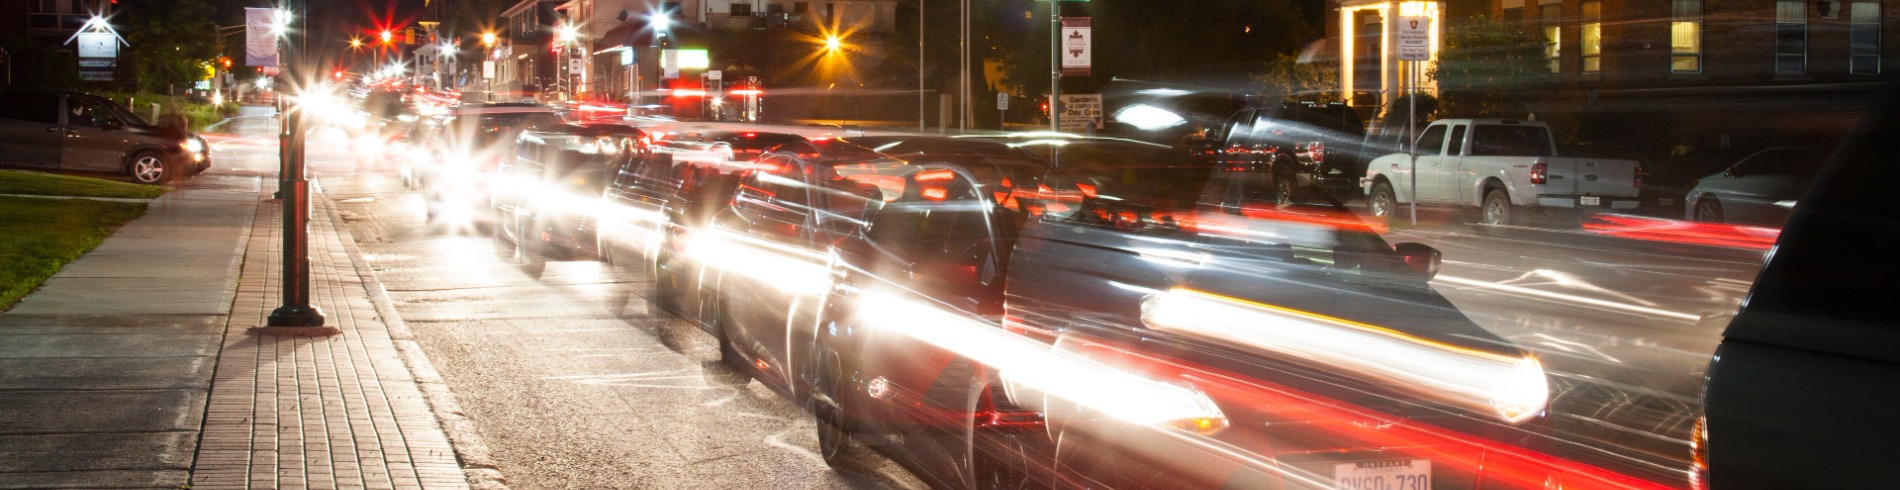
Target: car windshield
x,y
1104,244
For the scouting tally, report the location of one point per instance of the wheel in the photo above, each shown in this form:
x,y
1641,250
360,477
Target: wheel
x,y
833,439
1283,189
1382,202
1496,208
1708,210
712,310
149,168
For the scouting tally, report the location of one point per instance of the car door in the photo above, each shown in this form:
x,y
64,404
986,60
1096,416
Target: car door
x,y
1432,165
1451,180
1762,188
30,132
96,140
772,230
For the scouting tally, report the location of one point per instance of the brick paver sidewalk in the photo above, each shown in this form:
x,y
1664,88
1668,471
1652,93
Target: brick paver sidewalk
x,y
340,411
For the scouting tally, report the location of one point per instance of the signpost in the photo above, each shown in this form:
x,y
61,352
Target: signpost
x,y
1414,46
1002,110
1055,59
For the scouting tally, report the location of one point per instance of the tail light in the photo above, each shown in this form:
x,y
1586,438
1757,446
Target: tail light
x,y
1087,189
1317,151
1540,173
1639,178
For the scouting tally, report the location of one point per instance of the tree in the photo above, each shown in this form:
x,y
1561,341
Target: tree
x,y
170,43
1286,76
1489,68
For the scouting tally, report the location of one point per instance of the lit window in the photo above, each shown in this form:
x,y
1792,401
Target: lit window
x,y
1791,37
1591,32
1685,37
1864,39
1553,35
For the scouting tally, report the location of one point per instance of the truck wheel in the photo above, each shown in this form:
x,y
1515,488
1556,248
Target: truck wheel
x,y
1283,189
1382,201
1496,209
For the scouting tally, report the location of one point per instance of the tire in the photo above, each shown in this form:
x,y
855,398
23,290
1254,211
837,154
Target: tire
x,y
712,309
1709,210
1382,203
834,440
149,168
1283,188
1496,209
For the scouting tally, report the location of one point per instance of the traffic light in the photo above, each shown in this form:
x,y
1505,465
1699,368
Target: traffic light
x,y
1045,107
337,74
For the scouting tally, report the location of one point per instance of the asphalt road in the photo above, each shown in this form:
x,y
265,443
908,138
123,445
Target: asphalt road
x,y
574,384
558,364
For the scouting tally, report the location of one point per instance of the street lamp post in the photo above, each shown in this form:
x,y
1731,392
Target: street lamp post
x,y
920,64
296,310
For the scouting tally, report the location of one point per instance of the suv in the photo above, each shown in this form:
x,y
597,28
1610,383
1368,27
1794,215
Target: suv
x,y
74,131
1297,144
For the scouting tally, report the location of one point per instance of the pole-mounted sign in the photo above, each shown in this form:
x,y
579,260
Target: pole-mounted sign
x,y
1075,46
260,38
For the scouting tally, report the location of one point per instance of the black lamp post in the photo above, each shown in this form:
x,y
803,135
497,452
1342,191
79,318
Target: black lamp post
x,y
296,310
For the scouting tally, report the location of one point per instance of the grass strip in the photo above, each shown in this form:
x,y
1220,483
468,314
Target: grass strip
x,y
42,184
39,236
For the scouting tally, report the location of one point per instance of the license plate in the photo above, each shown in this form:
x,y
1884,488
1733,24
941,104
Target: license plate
x,y
1401,474
1590,201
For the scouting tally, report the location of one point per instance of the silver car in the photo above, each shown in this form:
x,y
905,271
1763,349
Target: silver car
x,y
63,130
1758,190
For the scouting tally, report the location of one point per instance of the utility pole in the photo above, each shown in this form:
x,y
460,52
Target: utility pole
x,y
920,64
963,60
1055,66
295,192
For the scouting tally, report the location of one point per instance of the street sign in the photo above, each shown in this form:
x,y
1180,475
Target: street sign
x,y
1075,46
1415,38
488,69
1081,113
715,75
1002,101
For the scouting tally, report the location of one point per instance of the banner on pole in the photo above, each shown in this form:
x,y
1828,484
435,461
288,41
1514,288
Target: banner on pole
x,y
1075,46
260,44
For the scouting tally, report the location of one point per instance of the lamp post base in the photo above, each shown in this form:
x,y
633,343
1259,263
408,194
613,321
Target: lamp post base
x,y
296,316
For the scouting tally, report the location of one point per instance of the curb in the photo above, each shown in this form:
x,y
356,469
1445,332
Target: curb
x,y
478,466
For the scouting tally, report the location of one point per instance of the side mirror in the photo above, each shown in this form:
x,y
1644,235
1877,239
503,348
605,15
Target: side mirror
x,y
1420,259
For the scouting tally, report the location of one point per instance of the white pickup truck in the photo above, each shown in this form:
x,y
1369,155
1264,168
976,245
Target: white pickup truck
x,y
1500,166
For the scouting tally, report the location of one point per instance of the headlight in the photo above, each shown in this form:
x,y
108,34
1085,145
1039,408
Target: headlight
x,y
194,145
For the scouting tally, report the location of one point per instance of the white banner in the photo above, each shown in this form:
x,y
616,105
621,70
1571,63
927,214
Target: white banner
x,y
260,44
1075,46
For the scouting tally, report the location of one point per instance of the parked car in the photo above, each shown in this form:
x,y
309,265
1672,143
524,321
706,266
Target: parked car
x,y
52,129
461,154
1502,168
1798,389
1760,189
548,197
1294,145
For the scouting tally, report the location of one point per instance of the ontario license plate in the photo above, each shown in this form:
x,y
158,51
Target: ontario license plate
x,y
1400,474
1590,201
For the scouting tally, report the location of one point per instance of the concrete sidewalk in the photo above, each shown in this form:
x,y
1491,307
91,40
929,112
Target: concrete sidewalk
x,y
136,366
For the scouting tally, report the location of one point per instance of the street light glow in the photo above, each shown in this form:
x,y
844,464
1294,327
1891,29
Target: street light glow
x,y
833,44
387,36
280,23
661,22
356,42
568,33
488,39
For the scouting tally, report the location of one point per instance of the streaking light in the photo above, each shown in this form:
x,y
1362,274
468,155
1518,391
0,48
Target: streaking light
x,y
1148,118
1513,388
789,269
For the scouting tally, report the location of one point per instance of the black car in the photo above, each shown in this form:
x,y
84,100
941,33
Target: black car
x,y
1800,391
53,129
459,157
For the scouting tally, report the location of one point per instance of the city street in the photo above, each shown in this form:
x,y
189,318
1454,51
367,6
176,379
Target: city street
x,y
559,365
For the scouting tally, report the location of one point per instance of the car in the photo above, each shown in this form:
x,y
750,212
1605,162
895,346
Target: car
x,y
459,156
74,131
547,198
1504,169
1798,386
1760,189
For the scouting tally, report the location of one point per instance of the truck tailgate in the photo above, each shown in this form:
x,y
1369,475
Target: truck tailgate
x,y
1593,176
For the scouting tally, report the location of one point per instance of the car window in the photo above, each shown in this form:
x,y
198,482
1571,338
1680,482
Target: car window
x,y
81,111
20,105
1455,145
1790,162
1513,140
1432,140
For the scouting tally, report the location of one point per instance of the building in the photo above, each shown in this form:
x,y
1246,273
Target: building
x,y
36,42
1659,76
526,59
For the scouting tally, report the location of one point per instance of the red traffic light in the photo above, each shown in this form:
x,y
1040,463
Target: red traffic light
x,y
338,74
